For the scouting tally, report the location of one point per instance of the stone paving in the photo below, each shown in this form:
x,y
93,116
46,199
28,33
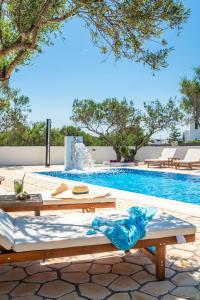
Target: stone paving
x,y
113,276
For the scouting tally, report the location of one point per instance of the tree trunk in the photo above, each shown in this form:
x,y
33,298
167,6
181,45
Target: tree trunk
x,y
133,153
118,154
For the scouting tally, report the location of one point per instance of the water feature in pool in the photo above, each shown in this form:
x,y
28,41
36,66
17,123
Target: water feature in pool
x,y
182,187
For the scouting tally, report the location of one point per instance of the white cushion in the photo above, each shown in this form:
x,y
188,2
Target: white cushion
x,y
192,155
48,200
7,230
167,153
70,230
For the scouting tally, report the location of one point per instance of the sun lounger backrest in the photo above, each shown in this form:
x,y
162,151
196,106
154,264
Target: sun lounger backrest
x,y
192,155
168,153
7,230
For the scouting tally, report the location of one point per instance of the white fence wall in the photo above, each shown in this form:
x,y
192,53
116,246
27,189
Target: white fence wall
x,y
101,153
29,155
35,155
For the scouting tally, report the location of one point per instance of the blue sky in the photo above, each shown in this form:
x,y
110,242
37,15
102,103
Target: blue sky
x,y
74,68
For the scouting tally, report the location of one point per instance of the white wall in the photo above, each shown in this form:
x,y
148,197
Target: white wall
x,y
102,153
10,156
29,155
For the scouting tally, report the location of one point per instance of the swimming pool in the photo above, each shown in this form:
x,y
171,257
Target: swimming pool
x,y
185,188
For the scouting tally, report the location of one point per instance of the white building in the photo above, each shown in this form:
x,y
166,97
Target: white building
x,y
193,133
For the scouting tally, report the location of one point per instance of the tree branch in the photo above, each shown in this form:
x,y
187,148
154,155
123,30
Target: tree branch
x,y
16,46
21,55
62,18
40,15
19,22
1,13
98,133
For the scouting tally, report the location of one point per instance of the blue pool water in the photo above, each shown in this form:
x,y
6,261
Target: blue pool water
x,y
185,188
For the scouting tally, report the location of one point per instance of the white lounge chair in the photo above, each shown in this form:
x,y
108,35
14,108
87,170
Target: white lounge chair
x,y
165,158
34,238
192,158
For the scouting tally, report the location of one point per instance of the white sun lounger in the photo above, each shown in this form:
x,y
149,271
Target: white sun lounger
x,y
44,202
34,238
166,155
192,158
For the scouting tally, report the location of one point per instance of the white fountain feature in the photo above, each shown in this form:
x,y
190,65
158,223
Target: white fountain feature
x,y
77,156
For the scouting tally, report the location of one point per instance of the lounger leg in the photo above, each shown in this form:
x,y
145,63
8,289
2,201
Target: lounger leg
x,y
160,262
92,209
37,213
88,210
190,166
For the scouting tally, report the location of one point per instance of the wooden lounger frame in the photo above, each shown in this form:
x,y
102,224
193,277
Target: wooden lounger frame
x,y
157,257
38,207
190,165
160,163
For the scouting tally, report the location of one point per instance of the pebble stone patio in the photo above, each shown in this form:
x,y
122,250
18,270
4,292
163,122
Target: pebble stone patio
x,y
105,276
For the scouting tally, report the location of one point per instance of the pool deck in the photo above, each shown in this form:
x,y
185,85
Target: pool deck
x,y
102,276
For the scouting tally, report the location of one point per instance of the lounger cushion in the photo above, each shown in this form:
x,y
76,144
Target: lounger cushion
x,y
47,199
7,230
165,155
156,160
188,162
70,230
192,155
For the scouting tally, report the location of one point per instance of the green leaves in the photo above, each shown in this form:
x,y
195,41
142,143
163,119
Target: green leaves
x,y
159,117
104,117
175,134
124,28
190,103
120,124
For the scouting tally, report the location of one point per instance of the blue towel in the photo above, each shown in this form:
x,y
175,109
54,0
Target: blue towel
x,y
124,233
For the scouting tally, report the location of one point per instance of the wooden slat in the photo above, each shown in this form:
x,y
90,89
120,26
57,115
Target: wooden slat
x,y
60,252
158,258
40,207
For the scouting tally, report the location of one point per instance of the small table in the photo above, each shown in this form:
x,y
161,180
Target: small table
x,y
171,161
9,203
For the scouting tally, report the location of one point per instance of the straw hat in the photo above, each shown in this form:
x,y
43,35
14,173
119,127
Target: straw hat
x,y
60,189
80,189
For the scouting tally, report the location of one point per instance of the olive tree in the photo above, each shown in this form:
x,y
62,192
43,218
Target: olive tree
x,y
124,28
109,119
14,109
121,125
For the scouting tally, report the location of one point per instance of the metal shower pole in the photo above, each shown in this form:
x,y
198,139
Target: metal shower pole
x,y
48,142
